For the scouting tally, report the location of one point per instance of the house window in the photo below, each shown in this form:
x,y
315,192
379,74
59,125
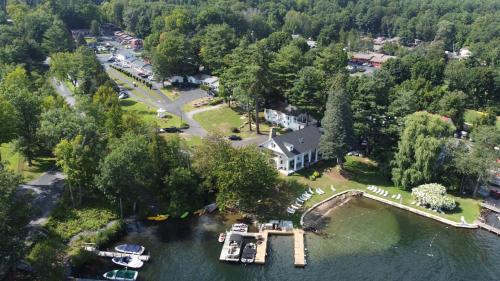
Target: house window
x,y
291,164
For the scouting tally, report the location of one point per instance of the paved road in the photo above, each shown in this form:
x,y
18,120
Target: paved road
x,y
63,91
47,190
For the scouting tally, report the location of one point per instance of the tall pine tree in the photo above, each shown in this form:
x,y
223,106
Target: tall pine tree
x,y
337,124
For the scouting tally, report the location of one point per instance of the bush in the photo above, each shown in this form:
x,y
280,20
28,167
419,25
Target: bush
x,y
433,195
235,130
204,87
216,101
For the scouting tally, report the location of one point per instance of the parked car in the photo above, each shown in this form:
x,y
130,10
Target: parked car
x,y
123,95
184,126
111,59
142,75
234,137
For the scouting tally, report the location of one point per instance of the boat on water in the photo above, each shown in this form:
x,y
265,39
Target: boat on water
x,y
183,216
132,249
239,227
234,250
157,218
132,262
248,255
222,237
122,275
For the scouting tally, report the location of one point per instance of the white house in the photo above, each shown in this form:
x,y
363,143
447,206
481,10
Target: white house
x,y
295,150
288,117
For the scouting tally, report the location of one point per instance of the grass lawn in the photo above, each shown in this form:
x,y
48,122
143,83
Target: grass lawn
x,y
361,172
225,118
148,114
170,93
471,116
90,40
16,163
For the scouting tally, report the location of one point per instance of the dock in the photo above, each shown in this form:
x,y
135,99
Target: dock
x,y
111,254
261,251
490,207
488,227
298,248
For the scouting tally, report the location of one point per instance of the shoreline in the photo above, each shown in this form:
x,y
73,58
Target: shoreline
x,y
356,192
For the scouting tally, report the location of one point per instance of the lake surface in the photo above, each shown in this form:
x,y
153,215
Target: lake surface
x,y
364,240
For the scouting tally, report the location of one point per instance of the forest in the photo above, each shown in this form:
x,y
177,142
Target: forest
x,y
404,116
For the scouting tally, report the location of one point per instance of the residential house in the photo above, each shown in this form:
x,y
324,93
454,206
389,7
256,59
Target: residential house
x,y
295,150
288,117
375,59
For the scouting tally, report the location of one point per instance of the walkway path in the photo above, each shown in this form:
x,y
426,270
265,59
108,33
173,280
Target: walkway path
x,y
48,189
63,91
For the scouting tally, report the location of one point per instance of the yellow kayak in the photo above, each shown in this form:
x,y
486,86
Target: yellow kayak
x,y
158,218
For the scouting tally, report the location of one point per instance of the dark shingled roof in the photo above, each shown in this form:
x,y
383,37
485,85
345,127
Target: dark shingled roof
x,y
302,140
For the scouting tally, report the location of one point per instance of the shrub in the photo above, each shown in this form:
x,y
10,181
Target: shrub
x,y
433,195
216,101
235,130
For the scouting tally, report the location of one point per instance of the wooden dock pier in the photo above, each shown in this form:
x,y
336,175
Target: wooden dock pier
x,y
298,248
490,207
261,251
110,254
488,227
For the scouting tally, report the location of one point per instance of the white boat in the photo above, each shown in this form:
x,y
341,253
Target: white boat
x,y
122,275
248,255
133,249
132,262
239,227
234,250
222,237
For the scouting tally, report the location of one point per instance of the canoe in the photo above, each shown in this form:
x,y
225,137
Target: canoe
x,y
122,275
131,262
157,218
130,249
183,216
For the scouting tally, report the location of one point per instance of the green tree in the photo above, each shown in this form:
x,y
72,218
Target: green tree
x,y
125,171
57,39
95,28
331,59
8,122
285,67
475,161
17,89
308,91
452,104
173,55
183,191
420,151
337,123
13,219
217,41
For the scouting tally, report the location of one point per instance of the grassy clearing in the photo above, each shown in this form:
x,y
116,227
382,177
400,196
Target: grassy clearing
x,y
17,163
226,118
190,105
148,114
67,222
471,117
170,93
361,172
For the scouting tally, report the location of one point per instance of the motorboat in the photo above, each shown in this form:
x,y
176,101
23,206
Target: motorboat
x,y
133,249
222,237
239,227
122,275
248,255
132,262
234,250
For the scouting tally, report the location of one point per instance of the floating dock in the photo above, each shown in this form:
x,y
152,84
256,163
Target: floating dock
x,y
109,254
261,251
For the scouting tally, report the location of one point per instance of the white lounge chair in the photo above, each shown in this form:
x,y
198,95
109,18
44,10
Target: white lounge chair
x,y
398,197
310,191
319,191
299,200
393,196
307,195
386,193
295,207
332,188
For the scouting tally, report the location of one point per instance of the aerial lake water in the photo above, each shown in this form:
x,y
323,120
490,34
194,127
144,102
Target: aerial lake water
x,y
363,240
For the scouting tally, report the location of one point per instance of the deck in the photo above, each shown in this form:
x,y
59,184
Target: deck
x,y
298,248
110,254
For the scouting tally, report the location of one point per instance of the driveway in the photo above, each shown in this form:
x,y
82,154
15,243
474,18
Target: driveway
x,y
47,190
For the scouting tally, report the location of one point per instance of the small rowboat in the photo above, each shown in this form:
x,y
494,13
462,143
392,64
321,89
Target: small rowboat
x,y
222,237
157,218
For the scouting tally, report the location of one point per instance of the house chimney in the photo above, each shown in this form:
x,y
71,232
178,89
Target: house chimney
x,y
272,132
